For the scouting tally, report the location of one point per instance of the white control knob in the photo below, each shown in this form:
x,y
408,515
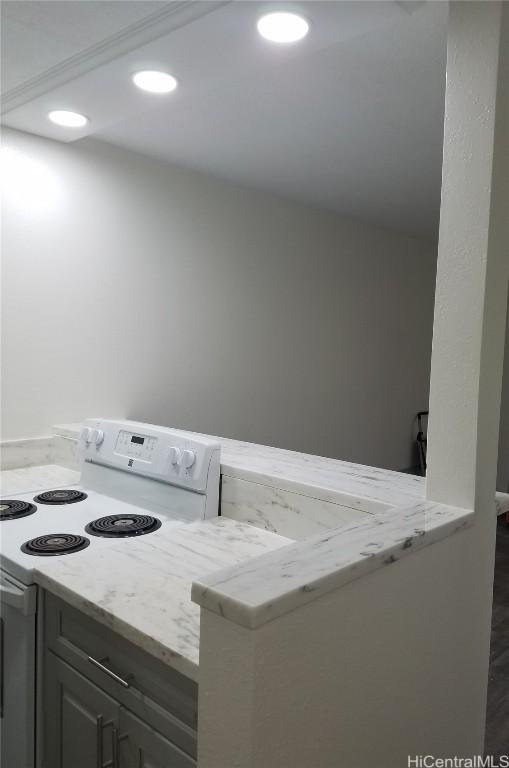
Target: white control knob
x,y
85,435
188,459
96,436
174,454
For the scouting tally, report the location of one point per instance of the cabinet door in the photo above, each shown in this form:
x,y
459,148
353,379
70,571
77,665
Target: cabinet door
x,y
140,746
80,727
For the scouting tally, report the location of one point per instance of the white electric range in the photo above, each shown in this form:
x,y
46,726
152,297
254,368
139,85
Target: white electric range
x,y
135,479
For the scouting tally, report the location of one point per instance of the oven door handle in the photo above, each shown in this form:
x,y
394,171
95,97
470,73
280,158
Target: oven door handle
x,y
22,599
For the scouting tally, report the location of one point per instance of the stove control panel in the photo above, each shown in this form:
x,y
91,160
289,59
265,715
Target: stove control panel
x,y
172,456
135,445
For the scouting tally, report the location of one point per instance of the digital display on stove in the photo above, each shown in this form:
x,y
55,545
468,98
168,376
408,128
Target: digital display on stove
x,y
136,446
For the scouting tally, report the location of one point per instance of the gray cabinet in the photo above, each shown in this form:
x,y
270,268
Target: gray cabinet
x,y
106,703
81,720
140,746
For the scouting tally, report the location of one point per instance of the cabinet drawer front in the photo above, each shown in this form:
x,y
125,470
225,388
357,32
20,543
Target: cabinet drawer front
x,y
149,688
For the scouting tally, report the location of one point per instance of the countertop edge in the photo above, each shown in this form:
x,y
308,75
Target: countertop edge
x,y
278,582
186,666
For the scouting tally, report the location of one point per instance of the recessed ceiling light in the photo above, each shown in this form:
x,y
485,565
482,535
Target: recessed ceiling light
x,y
283,27
155,82
67,119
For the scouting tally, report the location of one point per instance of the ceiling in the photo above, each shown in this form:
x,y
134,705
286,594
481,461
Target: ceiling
x,y
350,119
38,35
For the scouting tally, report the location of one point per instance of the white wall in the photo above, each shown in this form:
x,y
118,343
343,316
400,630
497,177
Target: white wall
x,y
390,665
142,290
395,664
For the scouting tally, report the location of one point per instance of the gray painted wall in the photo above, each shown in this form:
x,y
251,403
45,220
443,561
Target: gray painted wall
x,y
147,291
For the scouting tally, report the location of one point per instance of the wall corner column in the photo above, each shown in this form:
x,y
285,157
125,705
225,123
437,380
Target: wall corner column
x,y
473,260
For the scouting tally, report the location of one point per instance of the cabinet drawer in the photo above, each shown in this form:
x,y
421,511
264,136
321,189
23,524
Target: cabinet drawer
x,y
150,689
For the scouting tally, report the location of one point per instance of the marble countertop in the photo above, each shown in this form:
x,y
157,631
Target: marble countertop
x,y
329,480
28,479
254,593
253,590
141,587
142,591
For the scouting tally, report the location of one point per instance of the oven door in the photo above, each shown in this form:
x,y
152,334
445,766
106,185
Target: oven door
x,y
17,672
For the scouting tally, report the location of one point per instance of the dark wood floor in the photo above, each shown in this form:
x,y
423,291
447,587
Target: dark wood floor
x,y
497,723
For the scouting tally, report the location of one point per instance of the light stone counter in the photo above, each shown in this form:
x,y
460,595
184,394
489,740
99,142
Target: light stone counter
x,y
141,587
350,520
28,479
254,593
328,480
352,486
39,451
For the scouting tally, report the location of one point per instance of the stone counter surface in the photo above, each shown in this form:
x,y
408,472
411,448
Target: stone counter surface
x,y
353,520
28,479
141,587
276,583
356,486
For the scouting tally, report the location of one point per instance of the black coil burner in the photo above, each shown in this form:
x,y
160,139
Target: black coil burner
x,y
11,509
55,544
121,526
61,496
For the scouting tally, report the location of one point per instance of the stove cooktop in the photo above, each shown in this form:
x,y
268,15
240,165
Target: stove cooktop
x,y
136,479
31,526
55,544
60,496
123,526
12,509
